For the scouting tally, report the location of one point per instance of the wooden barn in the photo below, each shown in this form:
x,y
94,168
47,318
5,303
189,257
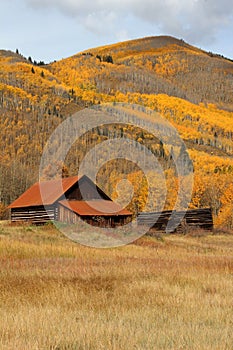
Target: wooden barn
x,y
63,201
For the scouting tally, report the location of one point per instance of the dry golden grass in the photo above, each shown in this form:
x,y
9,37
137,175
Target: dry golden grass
x,y
169,293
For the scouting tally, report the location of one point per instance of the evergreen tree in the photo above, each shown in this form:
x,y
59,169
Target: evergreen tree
x,y
108,59
99,57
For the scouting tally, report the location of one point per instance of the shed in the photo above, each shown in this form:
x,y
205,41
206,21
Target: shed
x,y
30,206
102,213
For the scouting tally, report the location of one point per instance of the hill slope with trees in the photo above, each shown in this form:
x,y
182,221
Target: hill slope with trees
x,y
188,86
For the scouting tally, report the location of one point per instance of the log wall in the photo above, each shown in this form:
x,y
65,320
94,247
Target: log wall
x,y
35,215
196,218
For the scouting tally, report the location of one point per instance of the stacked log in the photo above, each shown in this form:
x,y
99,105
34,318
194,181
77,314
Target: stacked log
x,y
181,220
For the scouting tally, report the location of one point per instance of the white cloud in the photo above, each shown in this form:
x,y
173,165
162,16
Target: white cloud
x,y
194,20
122,35
101,22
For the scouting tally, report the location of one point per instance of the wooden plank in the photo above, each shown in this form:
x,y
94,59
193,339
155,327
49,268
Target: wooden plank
x,y
35,215
194,218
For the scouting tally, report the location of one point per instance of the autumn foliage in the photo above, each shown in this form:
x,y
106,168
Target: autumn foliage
x,y
187,86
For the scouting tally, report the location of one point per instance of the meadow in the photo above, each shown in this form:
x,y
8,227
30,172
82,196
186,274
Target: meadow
x,y
164,292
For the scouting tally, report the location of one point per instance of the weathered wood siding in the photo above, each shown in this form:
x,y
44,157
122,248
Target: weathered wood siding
x,y
68,216
155,220
196,218
35,215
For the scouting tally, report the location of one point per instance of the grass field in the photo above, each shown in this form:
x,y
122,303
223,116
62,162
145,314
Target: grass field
x,y
171,292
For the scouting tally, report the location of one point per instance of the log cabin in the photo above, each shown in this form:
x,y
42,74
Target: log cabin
x,y
68,200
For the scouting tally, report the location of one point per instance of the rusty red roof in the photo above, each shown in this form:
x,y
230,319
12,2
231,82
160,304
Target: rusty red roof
x,y
95,207
52,190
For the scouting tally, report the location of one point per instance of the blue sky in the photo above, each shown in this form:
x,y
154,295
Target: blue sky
x,y
53,29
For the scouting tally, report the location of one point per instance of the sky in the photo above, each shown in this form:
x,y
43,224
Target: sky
x,y
50,30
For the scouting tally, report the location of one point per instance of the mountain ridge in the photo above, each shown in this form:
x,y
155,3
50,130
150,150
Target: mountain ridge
x,y
167,38
153,65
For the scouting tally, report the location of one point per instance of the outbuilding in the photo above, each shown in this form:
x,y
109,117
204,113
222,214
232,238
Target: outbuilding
x,y
68,200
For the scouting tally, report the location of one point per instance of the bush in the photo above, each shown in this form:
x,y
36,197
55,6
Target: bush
x,y
4,212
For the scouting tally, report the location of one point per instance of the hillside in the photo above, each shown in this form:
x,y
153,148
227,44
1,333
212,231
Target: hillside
x,y
190,87
152,65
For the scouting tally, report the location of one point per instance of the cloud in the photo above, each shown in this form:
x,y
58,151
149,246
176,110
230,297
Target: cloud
x,y
122,35
197,21
100,23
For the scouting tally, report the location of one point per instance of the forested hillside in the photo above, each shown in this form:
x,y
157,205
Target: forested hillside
x,y
153,66
193,89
